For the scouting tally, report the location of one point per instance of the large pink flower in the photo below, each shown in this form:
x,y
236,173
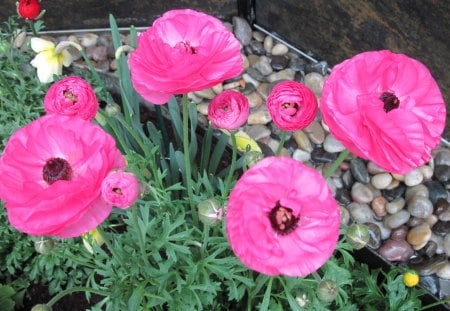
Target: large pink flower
x,y
183,51
384,107
52,171
292,105
71,96
282,218
229,110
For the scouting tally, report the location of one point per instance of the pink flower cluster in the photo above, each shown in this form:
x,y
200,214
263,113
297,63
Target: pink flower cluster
x,y
59,172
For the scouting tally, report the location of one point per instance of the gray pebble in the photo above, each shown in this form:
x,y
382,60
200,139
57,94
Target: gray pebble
x,y
381,181
361,194
442,158
395,206
361,213
442,173
242,30
332,145
420,207
396,220
413,178
359,170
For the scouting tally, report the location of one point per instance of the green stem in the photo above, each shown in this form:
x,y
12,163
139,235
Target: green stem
x,y
163,128
438,303
233,164
134,216
336,163
280,146
317,276
187,158
33,28
73,290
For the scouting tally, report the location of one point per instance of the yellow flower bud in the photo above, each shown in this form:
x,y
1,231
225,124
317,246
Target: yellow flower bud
x,y
410,278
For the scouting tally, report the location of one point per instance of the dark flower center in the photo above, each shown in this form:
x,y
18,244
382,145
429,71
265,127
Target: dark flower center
x,y
186,46
390,101
71,96
290,108
117,190
282,219
56,169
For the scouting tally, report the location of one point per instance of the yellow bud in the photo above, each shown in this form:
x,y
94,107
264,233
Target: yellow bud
x,y
91,238
410,278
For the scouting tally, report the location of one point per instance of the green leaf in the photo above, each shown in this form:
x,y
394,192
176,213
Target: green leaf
x,y
265,303
136,298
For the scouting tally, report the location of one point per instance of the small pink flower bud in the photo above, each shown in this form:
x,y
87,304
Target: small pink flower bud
x,y
120,189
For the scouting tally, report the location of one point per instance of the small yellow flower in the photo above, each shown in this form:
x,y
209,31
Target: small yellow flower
x,y
90,238
410,278
50,58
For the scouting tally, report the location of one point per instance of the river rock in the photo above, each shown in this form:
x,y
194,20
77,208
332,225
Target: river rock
x,y
263,66
442,158
392,194
381,181
279,49
268,44
332,145
379,206
441,228
361,194
442,173
413,178
259,117
315,81
396,250
301,155
375,236
302,140
420,207
395,206
416,191
419,236
396,220
374,169
242,30
399,233
359,170
436,191
286,74
361,213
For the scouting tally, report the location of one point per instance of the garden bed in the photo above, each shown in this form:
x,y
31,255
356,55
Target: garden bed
x,y
269,61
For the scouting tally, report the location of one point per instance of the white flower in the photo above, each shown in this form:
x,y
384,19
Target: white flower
x,y
50,58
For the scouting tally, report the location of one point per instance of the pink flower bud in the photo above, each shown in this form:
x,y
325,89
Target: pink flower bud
x,y
292,105
120,189
229,110
71,96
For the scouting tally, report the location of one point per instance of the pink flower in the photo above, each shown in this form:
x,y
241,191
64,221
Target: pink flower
x,y
183,51
292,105
282,218
384,107
120,189
229,110
71,96
52,171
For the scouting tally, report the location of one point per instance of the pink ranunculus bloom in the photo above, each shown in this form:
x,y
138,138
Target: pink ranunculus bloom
x,y
385,107
52,170
71,96
229,110
120,189
183,51
292,105
282,218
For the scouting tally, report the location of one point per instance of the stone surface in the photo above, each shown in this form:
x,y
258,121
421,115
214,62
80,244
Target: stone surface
x,y
381,181
396,220
393,250
359,170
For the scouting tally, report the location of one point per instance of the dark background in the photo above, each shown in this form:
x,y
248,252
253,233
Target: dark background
x,y
331,30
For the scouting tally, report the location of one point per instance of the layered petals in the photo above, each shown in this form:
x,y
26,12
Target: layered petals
x,y
229,110
52,170
385,107
282,218
71,96
48,61
183,51
292,105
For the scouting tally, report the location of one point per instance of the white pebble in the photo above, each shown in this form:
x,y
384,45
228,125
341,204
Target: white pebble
x,y
413,178
301,155
279,49
381,181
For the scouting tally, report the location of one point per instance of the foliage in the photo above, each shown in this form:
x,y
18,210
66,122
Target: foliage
x,y
157,256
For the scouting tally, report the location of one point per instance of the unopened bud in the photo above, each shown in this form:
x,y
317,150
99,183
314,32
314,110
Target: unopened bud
x,y
92,238
41,307
358,236
252,157
44,245
112,110
210,212
327,290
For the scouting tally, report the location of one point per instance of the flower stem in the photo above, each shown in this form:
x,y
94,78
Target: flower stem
x,y
187,157
316,276
280,146
435,304
33,28
336,163
233,164
73,290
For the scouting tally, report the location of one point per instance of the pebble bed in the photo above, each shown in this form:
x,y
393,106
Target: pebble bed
x,y
408,216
